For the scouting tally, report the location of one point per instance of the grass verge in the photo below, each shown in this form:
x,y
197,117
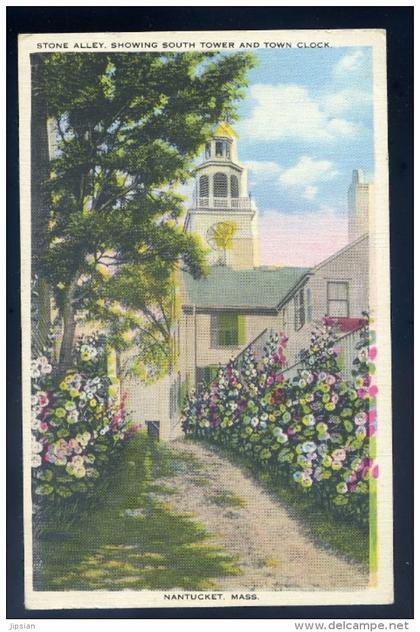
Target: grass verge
x,y
129,538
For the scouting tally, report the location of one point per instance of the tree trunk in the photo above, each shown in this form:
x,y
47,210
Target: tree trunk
x,y
39,205
69,329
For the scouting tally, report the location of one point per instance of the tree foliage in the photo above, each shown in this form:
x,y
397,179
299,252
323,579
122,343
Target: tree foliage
x,y
127,129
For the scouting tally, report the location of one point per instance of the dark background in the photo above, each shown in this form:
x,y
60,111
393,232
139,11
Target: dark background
x,y
398,23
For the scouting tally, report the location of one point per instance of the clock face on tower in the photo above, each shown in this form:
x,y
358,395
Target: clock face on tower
x,y
220,235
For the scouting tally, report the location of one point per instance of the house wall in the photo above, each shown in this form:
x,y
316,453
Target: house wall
x,y
196,348
352,266
154,402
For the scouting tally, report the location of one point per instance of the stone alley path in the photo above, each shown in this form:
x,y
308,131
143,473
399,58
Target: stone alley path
x,y
273,549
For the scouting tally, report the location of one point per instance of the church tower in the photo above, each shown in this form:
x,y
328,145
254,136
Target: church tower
x,y
223,213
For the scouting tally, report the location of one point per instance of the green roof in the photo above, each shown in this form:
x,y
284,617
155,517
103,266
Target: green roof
x,y
258,287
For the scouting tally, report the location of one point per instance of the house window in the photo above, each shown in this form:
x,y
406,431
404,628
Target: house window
x,y
207,374
219,148
234,187
299,309
207,152
308,305
338,299
204,186
283,319
220,182
227,145
228,329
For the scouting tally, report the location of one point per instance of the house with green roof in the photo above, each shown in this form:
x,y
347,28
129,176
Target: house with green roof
x,y
240,302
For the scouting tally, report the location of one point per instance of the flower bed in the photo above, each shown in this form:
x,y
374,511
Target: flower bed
x,y
77,428
313,431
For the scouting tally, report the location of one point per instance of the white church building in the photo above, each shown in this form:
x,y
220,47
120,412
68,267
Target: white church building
x,y
240,302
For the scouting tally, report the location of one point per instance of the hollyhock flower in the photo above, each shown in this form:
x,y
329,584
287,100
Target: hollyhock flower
x,y
35,372
339,454
308,420
371,429
36,460
43,399
360,418
43,426
373,351
309,446
371,415
373,391
36,446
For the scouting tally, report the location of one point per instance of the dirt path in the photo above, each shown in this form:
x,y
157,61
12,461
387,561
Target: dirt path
x,y
273,550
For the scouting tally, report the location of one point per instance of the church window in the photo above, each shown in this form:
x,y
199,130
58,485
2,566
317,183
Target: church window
x,y
338,299
219,148
227,149
207,151
299,301
204,186
234,187
220,188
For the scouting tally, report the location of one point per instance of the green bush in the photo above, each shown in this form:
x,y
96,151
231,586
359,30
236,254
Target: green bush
x,y
313,431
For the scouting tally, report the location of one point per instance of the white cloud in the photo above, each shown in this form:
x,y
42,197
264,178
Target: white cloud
x,y
310,193
301,239
346,100
263,168
306,173
289,111
351,62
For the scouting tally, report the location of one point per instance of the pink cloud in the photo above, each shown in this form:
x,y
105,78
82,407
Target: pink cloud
x,y
303,239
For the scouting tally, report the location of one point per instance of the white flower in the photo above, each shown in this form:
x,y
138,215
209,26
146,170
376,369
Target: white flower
x,y
34,369
360,419
73,417
36,446
36,460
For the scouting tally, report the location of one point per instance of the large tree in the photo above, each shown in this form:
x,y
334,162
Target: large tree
x,y
128,127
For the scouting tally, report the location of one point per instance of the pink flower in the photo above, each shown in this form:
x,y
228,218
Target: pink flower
x,y
361,392
372,415
371,429
373,391
375,471
373,353
43,426
43,399
279,378
270,380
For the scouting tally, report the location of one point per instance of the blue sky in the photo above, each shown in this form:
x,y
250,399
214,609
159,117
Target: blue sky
x,y
310,108
306,122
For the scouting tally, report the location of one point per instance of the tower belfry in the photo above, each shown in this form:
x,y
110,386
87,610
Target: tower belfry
x,y
223,213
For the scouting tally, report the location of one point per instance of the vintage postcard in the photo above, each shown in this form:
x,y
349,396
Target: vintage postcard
x,y
206,319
